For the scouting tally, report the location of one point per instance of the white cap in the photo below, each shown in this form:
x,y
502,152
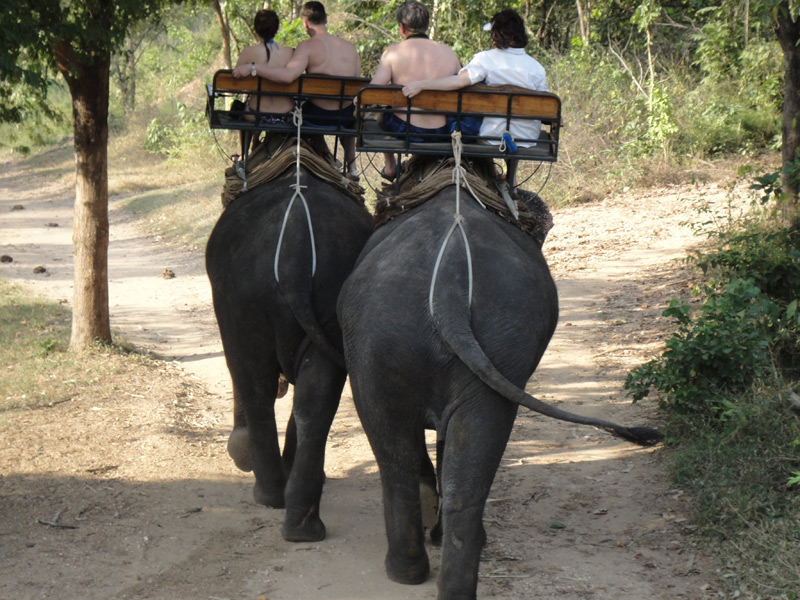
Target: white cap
x,y
487,27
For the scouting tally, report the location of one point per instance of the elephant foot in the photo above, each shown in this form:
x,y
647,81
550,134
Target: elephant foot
x,y
408,571
272,498
310,528
239,449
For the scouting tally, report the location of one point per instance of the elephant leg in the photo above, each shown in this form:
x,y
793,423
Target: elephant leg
x,y
436,532
397,451
428,492
239,439
253,444
475,441
316,398
290,444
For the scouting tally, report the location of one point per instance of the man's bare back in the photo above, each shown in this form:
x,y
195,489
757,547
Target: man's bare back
x,y
412,59
330,55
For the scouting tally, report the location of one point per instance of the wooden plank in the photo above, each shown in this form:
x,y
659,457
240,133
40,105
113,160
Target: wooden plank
x,y
474,99
337,87
224,81
316,85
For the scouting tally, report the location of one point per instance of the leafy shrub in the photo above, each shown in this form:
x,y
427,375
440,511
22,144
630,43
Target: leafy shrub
x,y
769,255
746,331
723,350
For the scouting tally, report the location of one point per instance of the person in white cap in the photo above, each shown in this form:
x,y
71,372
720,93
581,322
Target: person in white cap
x,y
506,63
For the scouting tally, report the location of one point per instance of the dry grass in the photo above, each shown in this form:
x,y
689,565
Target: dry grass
x,y
38,371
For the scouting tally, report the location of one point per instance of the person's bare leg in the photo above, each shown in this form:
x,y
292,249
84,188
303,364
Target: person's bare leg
x,y
390,165
349,144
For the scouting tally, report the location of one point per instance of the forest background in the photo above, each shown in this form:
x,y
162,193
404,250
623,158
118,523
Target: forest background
x,y
653,93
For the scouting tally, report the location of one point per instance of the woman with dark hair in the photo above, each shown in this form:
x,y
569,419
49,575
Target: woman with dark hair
x,y
505,64
267,53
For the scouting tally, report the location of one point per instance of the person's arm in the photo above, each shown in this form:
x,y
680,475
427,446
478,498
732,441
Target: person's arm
x,y
293,69
383,74
453,82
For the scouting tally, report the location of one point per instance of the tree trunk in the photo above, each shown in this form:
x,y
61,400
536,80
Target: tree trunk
x,y
583,21
789,36
88,85
226,34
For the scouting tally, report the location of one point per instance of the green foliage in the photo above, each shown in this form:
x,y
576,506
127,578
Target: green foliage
x,y
187,131
80,32
767,253
747,512
746,331
723,350
44,123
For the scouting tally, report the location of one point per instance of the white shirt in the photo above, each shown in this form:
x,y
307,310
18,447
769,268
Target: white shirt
x,y
508,66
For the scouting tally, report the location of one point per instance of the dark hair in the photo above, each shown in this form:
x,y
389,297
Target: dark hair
x,y
508,30
315,13
266,24
414,16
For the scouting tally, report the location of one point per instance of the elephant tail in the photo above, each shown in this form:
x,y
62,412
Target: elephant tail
x,y
460,338
300,304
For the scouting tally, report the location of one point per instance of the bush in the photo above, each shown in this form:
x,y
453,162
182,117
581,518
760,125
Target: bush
x,y
746,331
723,350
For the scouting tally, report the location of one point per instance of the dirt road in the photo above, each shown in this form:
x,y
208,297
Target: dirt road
x,y
148,505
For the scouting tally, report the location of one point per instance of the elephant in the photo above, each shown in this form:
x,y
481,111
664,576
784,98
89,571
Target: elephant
x,y
445,317
276,260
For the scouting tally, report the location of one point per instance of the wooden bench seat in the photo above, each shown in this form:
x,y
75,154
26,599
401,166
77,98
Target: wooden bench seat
x,y
507,102
226,87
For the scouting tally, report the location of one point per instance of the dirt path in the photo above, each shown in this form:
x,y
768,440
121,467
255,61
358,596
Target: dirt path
x,y
160,511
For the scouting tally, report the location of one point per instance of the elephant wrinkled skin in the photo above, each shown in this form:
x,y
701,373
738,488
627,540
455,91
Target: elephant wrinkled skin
x,y
279,316
449,344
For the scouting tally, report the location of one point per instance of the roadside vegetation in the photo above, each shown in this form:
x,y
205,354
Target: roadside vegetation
x,y
726,384
652,95
38,372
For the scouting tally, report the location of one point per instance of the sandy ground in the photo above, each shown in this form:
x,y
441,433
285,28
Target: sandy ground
x,y
148,505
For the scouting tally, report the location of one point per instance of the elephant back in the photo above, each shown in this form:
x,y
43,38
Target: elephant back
x,y
277,154
425,177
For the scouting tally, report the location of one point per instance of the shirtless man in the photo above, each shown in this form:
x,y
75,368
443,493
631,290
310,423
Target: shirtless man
x,y
414,58
324,54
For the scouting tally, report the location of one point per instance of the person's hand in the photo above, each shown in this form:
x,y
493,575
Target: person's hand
x,y
412,89
242,71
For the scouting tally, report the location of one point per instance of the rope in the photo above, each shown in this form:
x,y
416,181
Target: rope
x,y
297,119
459,176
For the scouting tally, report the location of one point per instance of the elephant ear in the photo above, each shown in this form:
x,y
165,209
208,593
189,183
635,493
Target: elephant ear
x,y
532,208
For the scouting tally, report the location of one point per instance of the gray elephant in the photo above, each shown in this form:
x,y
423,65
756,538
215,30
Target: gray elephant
x,y
276,260
445,318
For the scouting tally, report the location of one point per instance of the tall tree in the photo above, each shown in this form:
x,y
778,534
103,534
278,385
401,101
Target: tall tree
x,y
787,26
76,37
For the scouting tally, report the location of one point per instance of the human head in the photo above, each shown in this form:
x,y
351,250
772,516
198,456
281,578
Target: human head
x,y
314,13
266,23
414,16
508,30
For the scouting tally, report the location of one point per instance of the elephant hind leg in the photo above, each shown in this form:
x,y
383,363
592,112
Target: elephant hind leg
x,y
397,456
316,398
428,491
476,438
239,449
239,439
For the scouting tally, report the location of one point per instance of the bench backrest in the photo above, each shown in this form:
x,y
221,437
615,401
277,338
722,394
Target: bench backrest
x,y
306,85
476,99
